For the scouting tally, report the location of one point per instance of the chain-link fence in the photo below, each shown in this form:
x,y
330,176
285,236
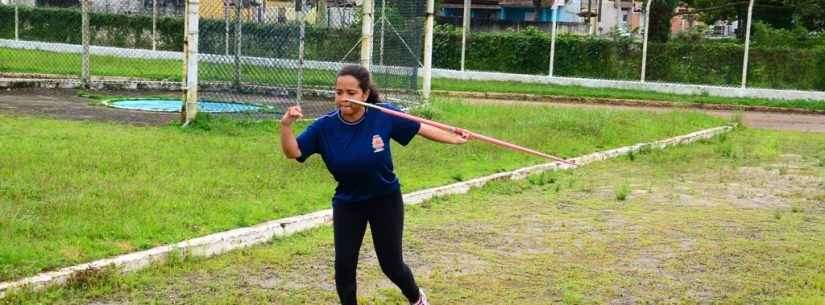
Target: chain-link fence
x,y
126,39
36,42
277,54
270,53
604,40
136,39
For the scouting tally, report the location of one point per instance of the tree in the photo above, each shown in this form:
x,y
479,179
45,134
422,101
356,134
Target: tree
x,y
783,14
661,11
811,14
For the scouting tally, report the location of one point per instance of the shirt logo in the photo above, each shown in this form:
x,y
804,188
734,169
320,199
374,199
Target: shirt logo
x,y
377,143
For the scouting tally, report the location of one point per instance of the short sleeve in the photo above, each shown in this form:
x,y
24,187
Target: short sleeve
x,y
403,130
309,141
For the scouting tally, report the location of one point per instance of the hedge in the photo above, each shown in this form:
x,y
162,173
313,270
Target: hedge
x,y
715,63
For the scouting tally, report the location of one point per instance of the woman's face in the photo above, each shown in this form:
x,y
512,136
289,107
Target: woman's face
x,y
346,87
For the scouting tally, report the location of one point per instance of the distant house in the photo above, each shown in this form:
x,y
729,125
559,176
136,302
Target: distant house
x,y
683,22
340,13
498,15
19,2
523,10
510,10
622,15
722,29
480,9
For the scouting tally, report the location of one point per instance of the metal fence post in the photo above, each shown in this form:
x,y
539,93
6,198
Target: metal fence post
x,y
553,37
644,44
428,49
238,42
226,26
299,6
86,37
154,25
16,21
366,34
464,28
190,62
383,22
747,46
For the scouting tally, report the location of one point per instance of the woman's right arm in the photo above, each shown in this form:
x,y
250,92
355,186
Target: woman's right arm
x,y
288,142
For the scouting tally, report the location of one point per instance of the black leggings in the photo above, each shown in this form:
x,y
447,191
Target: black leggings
x,y
385,215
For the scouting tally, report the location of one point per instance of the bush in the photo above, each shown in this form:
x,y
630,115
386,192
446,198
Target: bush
x,y
684,60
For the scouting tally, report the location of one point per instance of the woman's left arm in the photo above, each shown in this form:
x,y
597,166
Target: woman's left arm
x,y
438,135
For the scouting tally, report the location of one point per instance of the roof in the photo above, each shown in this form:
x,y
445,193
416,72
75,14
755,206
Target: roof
x,y
475,2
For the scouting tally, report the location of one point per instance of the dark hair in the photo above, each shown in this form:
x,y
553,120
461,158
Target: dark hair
x,y
364,82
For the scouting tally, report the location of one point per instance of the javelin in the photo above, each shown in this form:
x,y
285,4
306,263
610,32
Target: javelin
x,y
455,130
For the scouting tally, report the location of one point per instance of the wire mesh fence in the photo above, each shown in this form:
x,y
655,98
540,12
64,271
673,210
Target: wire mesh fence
x,y
270,53
398,29
54,51
280,53
247,54
126,36
603,40
276,54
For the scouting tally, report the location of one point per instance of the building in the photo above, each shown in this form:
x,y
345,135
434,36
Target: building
x,y
722,29
500,15
607,16
510,10
480,9
682,22
575,16
272,11
523,10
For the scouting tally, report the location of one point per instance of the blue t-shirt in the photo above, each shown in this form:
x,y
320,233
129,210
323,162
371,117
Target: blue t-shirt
x,y
357,154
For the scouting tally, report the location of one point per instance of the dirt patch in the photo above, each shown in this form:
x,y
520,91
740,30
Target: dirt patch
x,y
752,187
66,104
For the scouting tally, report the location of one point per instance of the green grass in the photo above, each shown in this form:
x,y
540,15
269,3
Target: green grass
x,y
697,227
577,91
32,61
28,61
78,191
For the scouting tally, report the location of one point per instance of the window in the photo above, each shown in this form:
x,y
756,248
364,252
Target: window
x,y
58,3
166,5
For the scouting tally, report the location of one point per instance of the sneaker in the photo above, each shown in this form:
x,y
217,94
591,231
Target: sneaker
x,y
422,299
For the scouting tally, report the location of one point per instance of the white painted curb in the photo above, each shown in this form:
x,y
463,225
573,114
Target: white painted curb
x,y
244,237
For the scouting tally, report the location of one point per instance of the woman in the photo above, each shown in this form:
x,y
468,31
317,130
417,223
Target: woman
x,y
354,144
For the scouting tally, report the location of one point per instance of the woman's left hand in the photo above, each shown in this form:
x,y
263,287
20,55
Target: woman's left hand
x,y
462,136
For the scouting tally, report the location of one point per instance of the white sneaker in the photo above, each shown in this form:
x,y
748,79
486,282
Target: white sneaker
x,y
422,299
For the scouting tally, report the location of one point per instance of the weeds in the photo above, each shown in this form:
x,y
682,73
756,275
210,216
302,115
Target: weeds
x,y
621,192
457,177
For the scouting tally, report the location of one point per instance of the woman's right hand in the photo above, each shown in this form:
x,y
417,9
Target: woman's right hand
x,y
292,114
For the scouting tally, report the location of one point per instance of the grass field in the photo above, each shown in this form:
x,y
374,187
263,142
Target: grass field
x,y
78,191
31,61
739,219
62,63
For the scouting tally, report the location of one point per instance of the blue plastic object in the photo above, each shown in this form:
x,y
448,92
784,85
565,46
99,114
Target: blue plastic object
x,y
172,105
